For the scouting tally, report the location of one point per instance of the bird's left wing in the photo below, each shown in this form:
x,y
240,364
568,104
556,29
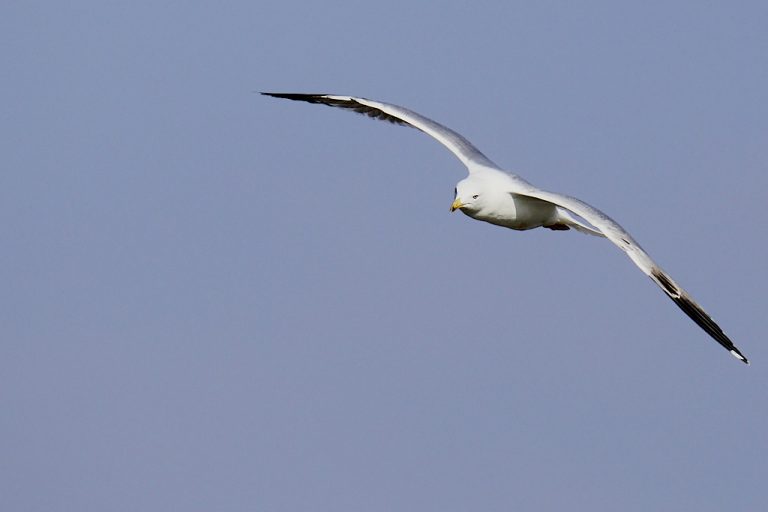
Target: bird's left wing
x,y
458,145
620,237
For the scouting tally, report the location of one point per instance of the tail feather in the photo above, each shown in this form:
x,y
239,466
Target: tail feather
x,y
565,217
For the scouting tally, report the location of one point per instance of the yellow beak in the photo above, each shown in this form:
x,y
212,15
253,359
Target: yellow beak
x,y
456,204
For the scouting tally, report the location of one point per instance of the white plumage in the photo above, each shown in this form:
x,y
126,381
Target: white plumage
x,y
493,195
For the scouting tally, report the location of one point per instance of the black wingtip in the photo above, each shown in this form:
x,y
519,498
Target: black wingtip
x,y
738,355
294,96
696,313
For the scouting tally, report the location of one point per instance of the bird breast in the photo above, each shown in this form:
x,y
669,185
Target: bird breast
x,y
515,212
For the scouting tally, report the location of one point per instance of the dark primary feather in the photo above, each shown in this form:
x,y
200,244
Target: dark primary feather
x,y
695,312
348,104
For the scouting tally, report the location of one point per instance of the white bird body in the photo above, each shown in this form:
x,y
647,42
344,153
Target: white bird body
x,y
499,205
517,212
493,195
489,195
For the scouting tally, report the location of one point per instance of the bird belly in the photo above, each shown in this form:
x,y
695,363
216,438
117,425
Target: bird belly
x,y
520,213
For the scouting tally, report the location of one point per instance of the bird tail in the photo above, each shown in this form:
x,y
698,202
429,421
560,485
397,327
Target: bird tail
x,y
565,220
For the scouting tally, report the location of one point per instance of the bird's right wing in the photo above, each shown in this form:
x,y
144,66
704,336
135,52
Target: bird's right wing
x,y
458,145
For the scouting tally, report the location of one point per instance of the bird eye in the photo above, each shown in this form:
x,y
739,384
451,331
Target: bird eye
x,y
475,196
455,193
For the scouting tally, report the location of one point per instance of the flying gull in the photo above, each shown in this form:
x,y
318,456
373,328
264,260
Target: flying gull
x,y
496,196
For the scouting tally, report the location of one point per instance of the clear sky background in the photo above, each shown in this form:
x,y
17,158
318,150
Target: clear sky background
x,y
214,300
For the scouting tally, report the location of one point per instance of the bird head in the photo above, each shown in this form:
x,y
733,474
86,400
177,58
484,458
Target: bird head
x,y
466,197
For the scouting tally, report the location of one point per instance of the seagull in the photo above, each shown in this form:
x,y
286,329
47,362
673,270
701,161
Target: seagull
x,y
493,195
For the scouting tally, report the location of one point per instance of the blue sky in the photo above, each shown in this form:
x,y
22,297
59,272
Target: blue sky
x,y
214,300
